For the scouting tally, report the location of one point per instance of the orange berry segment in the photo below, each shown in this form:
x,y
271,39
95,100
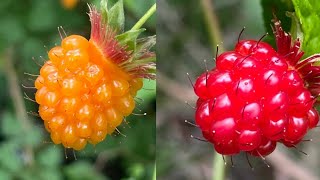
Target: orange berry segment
x,y
57,122
102,93
41,95
71,86
56,54
83,129
38,83
135,85
47,68
68,136
85,112
68,105
75,42
55,137
94,74
51,80
51,99
120,87
97,137
79,144
125,104
46,112
114,119
100,122
75,59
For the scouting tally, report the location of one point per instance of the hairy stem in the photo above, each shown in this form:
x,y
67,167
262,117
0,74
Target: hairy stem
x,y
145,17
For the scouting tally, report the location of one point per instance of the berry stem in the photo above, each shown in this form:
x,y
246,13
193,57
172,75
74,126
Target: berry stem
x,y
215,37
17,99
212,24
154,176
145,17
218,167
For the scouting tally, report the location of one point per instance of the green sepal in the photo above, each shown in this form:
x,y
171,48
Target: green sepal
x,y
104,10
295,31
144,44
129,39
142,62
114,16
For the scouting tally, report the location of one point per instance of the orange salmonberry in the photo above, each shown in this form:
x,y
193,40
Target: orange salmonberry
x,y
84,90
69,4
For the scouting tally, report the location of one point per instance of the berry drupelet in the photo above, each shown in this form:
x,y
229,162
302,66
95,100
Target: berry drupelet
x,y
257,96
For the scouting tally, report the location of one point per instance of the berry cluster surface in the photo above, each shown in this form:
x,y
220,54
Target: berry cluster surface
x,y
256,97
81,97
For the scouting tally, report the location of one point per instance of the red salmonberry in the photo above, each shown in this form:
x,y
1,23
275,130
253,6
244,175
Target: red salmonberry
x,y
257,96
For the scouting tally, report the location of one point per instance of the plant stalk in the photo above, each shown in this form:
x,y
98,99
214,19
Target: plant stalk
x,y
218,167
145,17
215,39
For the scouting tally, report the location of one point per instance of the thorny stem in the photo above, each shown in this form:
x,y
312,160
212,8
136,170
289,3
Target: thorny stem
x,y
216,38
145,17
18,102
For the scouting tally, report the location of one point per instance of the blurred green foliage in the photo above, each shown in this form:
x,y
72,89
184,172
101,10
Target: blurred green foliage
x,y
307,12
29,29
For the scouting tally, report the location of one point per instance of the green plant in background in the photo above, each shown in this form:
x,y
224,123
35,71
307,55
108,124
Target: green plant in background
x,y
26,151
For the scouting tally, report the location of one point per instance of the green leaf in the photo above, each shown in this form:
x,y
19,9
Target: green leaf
x,y
295,31
11,31
129,38
307,12
10,125
33,137
52,174
4,174
144,44
27,174
4,5
10,157
145,149
116,16
137,170
38,20
31,47
82,170
104,10
49,157
148,92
